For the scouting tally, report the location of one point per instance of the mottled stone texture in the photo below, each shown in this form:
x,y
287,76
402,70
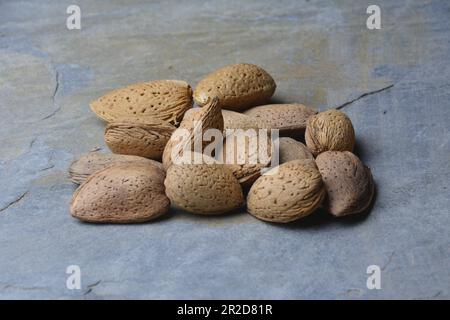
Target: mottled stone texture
x,y
321,54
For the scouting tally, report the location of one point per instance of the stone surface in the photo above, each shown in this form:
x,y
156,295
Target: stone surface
x,y
320,53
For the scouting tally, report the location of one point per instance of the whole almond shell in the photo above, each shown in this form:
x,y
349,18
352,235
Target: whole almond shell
x,y
89,163
286,193
348,182
122,193
203,188
290,149
209,117
146,102
237,86
330,130
145,140
290,119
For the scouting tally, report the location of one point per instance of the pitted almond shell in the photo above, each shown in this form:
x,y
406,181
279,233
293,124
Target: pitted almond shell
x,y
121,193
238,86
330,130
89,163
290,149
288,118
146,102
286,193
203,188
145,140
348,182
209,117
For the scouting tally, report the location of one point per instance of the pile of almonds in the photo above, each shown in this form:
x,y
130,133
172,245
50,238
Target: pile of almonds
x,y
144,122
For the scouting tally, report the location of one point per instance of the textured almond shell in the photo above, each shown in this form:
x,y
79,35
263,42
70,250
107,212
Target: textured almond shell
x,y
146,102
292,192
209,117
330,130
145,140
203,188
288,118
237,86
348,182
290,149
122,193
87,164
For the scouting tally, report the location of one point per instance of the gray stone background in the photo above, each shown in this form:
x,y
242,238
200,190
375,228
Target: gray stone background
x,y
320,53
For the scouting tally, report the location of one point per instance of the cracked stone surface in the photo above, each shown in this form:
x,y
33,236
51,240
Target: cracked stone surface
x,y
320,53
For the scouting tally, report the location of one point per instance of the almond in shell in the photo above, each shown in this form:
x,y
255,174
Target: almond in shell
x,y
145,140
87,164
330,130
237,86
146,102
194,124
286,193
348,182
121,193
203,188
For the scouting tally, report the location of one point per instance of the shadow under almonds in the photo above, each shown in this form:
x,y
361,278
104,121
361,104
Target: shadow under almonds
x,y
359,150
233,216
277,100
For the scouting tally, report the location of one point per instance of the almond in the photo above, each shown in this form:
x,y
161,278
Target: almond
x,y
237,86
330,130
209,117
145,140
348,182
290,149
121,193
286,193
290,119
146,102
92,162
203,188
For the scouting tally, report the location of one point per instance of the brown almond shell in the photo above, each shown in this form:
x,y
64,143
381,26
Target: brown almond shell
x,y
145,102
286,193
121,193
87,164
206,189
348,182
145,140
238,86
330,130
